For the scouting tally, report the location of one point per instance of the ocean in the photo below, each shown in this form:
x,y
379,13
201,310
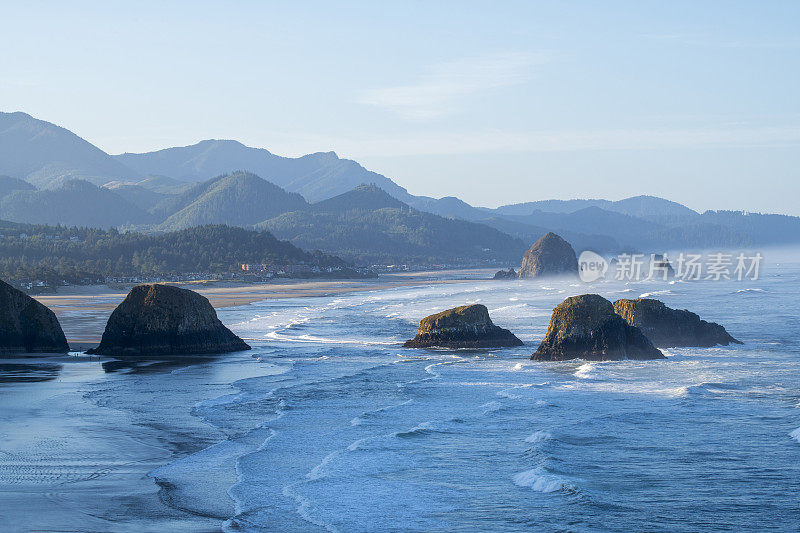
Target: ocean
x,y
329,424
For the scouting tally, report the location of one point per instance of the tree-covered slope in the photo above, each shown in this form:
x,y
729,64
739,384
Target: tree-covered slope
x,y
76,203
368,225
237,199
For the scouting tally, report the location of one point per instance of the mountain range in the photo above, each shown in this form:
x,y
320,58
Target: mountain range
x,y
49,175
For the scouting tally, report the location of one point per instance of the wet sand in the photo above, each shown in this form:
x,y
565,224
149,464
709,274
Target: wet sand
x,y
84,310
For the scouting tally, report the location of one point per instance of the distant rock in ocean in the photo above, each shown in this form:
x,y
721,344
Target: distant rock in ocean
x,y
586,327
468,326
26,326
165,320
506,274
550,255
667,327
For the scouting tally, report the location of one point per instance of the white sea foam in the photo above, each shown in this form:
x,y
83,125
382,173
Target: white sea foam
x,y
654,293
584,371
538,436
745,291
795,434
540,481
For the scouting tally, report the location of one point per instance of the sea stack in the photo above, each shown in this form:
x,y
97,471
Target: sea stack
x,y
26,326
550,255
468,326
165,320
586,327
667,327
506,274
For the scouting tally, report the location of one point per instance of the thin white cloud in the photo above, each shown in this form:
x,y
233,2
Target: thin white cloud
x,y
437,93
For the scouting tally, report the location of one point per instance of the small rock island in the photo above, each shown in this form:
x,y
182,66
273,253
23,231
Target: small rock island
x,y
668,328
550,255
506,274
165,320
26,326
468,326
586,327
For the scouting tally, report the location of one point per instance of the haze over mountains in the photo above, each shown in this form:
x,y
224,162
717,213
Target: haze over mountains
x,y
50,175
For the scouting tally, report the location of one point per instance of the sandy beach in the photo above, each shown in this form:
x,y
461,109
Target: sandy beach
x,y
84,310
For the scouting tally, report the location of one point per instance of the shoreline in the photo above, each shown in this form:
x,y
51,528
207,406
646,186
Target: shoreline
x,y
83,310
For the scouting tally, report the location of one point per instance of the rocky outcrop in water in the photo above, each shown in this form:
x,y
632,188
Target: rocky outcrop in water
x,y
26,326
506,274
667,327
165,320
468,326
586,327
550,255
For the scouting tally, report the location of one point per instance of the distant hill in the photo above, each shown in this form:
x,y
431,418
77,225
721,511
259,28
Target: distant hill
x,y
369,225
579,241
237,199
76,203
761,228
9,184
645,207
144,199
315,176
47,155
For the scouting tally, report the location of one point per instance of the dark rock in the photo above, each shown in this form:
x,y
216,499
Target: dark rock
x,y
550,255
662,268
26,326
468,326
667,327
506,274
165,320
586,327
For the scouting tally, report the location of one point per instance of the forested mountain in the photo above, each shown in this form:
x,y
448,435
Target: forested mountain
x,y
83,255
9,184
47,155
75,203
143,198
150,192
645,207
367,225
315,176
237,199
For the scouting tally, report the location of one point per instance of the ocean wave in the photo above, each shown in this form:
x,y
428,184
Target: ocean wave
x,y
539,480
491,407
584,371
749,291
538,436
655,293
419,430
795,434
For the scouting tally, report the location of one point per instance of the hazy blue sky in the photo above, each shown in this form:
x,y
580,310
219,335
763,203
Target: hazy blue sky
x,y
496,102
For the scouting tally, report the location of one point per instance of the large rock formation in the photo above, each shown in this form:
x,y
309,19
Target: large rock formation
x,y
165,320
26,326
550,255
468,326
586,327
667,327
506,274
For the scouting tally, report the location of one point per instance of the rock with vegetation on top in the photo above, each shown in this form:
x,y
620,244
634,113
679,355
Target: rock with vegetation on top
x,y
550,255
468,326
165,320
26,326
506,274
667,327
586,327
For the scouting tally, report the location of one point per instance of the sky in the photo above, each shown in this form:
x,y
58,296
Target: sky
x,y
493,102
